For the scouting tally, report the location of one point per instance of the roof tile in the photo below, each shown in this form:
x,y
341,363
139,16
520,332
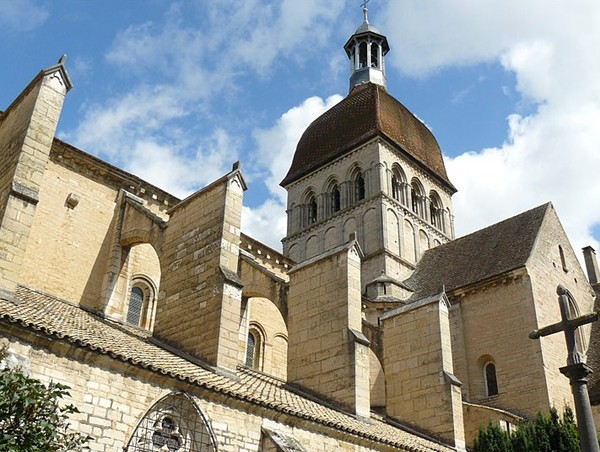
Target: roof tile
x,y
59,318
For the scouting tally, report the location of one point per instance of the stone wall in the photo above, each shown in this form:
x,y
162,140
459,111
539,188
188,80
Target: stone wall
x,y
69,253
273,344
495,320
391,236
548,269
200,302
477,415
26,133
421,389
325,355
113,396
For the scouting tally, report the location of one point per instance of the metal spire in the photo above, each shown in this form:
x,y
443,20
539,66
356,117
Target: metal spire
x,y
365,10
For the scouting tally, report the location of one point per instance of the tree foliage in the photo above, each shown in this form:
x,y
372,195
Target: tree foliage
x,y
544,434
32,418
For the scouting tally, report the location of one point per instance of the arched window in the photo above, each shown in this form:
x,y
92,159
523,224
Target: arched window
x,y
312,210
359,185
491,382
436,212
363,54
374,55
141,303
398,184
254,348
416,196
136,304
396,188
174,423
335,199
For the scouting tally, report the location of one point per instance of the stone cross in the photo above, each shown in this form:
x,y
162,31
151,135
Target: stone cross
x,y
576,370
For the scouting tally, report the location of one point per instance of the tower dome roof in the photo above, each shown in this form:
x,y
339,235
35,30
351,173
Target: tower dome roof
x,y
367,112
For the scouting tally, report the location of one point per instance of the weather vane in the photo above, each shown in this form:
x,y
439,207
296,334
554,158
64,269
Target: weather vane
x,y
364,3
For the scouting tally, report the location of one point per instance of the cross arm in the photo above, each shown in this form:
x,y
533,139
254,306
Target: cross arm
x,y
571,324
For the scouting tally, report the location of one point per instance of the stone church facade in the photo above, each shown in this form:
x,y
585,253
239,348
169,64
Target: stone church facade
x,y
375,329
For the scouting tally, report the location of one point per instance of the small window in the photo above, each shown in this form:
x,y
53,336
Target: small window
x,y
335,199
363,54
360,187
491,382
250,349
415,197
136,304
312,210
396,188
563,261
399,185
141,304
253,350
436,212
374,55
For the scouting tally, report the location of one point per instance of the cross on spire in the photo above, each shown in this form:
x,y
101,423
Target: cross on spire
x,y
365,10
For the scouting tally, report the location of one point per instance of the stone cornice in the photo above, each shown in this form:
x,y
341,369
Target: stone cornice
x,y
505,278
73,158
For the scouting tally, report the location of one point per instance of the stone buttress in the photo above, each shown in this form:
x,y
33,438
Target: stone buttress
x,y
200,302
327,352
420,383
27,130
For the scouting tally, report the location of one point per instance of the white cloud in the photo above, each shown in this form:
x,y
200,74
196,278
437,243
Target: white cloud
x,y
22,15
183,73
276,147
181,172
551,155
266,223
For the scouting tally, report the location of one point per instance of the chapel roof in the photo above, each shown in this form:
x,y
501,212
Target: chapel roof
x,y
66,321
486,253
367,112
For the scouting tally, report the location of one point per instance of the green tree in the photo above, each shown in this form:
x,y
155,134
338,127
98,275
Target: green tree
x,y
31,416
492,439
544,434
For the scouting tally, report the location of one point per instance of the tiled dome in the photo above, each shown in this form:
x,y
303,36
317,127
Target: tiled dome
x,y
368,111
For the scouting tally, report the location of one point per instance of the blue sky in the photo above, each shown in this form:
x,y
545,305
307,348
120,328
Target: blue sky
x,y
175,92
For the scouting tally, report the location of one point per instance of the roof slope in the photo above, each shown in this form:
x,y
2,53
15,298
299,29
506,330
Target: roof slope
x,y
475,257
61,319
368,111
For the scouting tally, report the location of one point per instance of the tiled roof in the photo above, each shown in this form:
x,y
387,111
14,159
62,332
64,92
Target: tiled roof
x,y
68,322
368,111
489,252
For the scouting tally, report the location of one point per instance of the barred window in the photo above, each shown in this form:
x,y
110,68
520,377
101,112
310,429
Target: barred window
x,y
136,303
174,423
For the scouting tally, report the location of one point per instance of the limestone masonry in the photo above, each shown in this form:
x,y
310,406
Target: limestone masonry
x,y
375,329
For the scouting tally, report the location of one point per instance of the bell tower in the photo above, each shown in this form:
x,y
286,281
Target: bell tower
x,y
371,169
366,49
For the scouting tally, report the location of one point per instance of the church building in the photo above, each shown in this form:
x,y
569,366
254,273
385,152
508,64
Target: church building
x,y
375,329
